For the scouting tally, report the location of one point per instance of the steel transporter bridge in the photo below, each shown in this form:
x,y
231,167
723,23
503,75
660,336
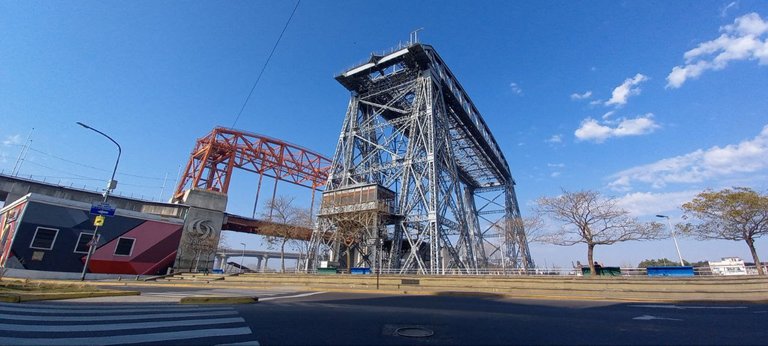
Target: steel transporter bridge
x,y
417,183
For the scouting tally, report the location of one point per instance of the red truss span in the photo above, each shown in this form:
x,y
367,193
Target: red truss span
x,y
218,153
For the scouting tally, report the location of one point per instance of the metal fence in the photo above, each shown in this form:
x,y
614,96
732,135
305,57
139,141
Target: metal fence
x,y
537,272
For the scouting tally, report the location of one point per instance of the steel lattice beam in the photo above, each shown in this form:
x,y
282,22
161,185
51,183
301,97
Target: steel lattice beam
x,y
411,128
215,156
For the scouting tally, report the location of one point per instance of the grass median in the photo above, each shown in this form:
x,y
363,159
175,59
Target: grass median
x,y
26,290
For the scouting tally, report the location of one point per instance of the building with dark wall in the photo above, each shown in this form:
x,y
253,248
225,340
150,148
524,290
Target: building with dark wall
x,y
45,233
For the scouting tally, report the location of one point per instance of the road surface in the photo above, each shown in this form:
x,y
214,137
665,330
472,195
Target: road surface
x,y
294,317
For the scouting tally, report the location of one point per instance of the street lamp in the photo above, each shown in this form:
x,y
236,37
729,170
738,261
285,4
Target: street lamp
x,y
242,256
110,186
671,229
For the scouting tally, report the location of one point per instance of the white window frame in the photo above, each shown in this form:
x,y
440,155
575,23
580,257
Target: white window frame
x,y
35,237
78,242
133,244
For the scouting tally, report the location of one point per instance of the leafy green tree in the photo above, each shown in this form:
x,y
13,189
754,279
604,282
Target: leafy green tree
x,y
589,218
661,262
739,214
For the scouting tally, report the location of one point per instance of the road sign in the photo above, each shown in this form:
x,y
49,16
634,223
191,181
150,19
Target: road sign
x,y
103,209
99,221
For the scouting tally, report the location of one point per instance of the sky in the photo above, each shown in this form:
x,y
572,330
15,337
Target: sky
x,y
649,102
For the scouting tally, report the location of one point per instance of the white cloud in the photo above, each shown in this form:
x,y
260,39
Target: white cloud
x,y
608,115
629,88
749,156
593,130
556,165
516,88
555,139
11,140
741,40
576,96
555,174
649,204
724,11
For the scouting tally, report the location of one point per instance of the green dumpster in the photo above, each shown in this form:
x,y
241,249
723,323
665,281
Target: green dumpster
x,y
602,271
326,271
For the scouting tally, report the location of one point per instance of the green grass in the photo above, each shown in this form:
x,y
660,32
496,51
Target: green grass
x,y
17,287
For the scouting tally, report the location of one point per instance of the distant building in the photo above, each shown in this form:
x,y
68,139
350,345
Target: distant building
x,y
728,266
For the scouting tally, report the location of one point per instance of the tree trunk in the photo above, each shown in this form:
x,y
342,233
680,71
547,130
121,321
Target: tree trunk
x,y
590,260
751,244
282,256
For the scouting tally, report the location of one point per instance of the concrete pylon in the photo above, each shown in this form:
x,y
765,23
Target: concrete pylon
x,y
202,229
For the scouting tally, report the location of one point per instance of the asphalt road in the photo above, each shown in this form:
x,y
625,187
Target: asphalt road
x,y
367,319
290,317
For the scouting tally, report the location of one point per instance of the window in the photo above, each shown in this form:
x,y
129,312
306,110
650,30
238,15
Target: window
x,y
82,242
124,246
44,238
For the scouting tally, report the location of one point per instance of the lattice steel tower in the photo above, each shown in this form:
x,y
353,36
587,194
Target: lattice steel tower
x,y
417,182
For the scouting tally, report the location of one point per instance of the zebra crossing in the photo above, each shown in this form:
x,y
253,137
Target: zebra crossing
x,y
114,324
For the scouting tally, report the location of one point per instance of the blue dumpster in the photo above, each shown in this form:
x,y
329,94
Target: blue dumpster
x,y
360,271
670,271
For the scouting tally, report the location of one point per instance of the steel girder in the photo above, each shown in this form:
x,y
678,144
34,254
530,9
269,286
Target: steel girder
x,y
407,129
214,157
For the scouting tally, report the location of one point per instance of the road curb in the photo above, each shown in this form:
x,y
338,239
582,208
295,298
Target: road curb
x,y
218,300
29,297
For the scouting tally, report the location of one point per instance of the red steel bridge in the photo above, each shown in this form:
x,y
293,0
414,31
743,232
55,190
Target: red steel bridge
x,y
217,154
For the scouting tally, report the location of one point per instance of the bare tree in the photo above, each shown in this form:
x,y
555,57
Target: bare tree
x,y
738,214
587,217
284,222
224,242
533,226
203,247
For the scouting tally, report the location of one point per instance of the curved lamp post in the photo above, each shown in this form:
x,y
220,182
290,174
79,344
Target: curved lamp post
x,y
671,229
110,186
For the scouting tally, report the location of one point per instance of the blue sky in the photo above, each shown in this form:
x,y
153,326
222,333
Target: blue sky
x,y
650,102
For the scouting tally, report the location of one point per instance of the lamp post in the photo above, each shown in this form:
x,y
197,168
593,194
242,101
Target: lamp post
x,y
671,229
242,256
110,186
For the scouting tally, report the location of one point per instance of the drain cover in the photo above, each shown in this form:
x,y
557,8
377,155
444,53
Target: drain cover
x,y
414,332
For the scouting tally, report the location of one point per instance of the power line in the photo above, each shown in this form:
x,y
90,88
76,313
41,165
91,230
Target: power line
x,y
265,63
81,177
92,167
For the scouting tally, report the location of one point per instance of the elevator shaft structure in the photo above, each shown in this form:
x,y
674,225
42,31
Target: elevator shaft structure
x,y
417,182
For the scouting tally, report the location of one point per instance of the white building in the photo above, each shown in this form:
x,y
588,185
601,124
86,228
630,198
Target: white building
x,y
728,266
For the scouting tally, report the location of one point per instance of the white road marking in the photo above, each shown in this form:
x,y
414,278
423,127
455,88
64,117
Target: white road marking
x,y
293,296
759,312
129,339
246,343
688,307
112,326
649,317
74,306
121,317
92,310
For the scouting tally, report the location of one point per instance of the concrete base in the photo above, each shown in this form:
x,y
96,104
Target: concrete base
x,y
46,275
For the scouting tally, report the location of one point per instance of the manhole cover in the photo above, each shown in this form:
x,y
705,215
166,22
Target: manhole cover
x,y
414,332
